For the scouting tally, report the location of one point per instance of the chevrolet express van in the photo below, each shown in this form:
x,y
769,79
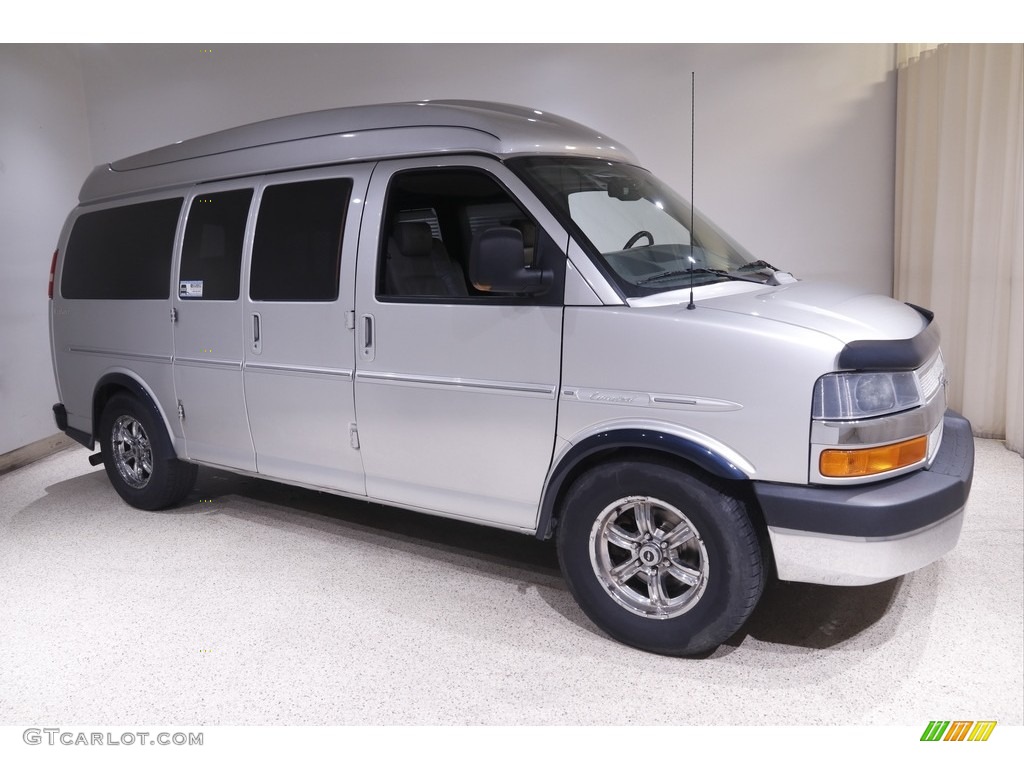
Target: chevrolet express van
x,y
495,314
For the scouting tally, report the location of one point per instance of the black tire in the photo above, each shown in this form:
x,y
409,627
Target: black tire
x,y
676,595
137,455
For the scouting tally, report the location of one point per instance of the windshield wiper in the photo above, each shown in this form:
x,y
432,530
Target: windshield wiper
x,y
674,273
759,264
772,274
698,270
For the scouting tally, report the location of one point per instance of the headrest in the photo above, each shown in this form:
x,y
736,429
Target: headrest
x,y
413,239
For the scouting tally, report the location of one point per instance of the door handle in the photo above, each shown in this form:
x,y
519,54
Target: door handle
x,y
366,351
257,340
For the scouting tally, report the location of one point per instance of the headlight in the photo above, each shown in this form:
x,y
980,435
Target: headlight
x,y
842,396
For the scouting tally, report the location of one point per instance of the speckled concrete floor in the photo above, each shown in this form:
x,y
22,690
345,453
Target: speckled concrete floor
x,y
256,603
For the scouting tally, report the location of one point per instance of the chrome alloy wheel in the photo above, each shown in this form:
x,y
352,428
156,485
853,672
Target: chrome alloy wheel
x,y
649,557
133,455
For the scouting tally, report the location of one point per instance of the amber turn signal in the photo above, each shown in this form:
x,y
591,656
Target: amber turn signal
x,y
872,461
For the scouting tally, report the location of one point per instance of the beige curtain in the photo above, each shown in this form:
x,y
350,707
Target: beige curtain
x,y
960,220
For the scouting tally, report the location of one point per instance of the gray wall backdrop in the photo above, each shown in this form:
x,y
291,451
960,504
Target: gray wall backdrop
x,y
795,144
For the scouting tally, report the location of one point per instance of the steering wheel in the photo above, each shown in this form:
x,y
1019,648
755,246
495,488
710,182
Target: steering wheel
x,y
642,233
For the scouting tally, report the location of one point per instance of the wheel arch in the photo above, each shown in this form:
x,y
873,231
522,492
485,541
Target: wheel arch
x,y
633,442
117,382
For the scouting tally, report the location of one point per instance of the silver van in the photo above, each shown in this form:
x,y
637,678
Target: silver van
x,y
492,313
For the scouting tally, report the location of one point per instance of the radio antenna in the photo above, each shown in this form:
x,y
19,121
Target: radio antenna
x,y
692,261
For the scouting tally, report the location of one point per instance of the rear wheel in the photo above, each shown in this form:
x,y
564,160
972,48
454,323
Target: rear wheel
x,y
139,463
659,558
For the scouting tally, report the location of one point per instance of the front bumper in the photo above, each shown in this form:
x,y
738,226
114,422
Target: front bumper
x,y
854,535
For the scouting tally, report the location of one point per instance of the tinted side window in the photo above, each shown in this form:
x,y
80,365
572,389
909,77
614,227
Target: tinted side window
x,y
296,254
431,220
211,255
122,253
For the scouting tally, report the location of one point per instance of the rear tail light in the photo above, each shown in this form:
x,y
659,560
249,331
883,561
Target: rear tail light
x,y
53,272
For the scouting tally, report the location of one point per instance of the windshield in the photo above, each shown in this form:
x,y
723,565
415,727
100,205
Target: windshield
x,y
637,226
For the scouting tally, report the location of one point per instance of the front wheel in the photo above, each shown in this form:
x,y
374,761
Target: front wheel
x,y
659,558
140,466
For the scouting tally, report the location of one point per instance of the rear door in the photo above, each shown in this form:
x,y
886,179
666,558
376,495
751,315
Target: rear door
x,y
298,329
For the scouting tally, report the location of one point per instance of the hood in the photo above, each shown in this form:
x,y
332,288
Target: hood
x,y
848,314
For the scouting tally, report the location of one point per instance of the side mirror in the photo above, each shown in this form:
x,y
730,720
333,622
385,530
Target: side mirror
x,y
498,264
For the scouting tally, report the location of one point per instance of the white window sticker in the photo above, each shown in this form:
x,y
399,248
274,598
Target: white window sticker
x,y
190,289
